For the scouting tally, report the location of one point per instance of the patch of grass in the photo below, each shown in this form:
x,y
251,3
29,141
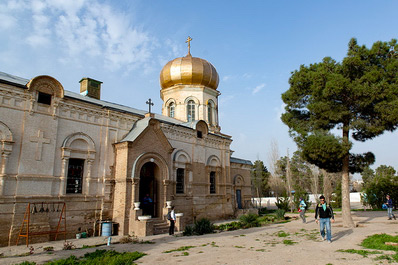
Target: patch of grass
x,y
185,253
213,244
242,235
283,234
179,249
99,257
239,247
27,263
87,246
261,250
378,242
389,258
48,249
289,242
361,252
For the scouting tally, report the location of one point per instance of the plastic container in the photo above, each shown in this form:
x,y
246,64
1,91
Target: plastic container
x,y
106,229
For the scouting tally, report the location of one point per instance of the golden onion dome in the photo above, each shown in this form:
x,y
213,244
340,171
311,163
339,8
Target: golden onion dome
x,y
189,70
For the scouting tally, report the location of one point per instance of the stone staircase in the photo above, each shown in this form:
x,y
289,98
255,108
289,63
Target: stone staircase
x,y
160,226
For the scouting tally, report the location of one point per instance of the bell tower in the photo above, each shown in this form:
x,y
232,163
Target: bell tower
x,y
189,90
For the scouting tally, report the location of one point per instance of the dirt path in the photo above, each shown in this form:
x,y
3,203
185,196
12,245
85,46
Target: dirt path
x,y
253,246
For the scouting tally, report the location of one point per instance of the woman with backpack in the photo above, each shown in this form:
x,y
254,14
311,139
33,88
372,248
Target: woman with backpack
x,y
302,208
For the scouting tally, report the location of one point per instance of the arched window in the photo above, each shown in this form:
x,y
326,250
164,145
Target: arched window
x,y
180,181
191,110
171,109
210,113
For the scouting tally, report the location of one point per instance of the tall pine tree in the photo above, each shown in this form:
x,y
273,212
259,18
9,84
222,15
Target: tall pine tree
x,y
358,97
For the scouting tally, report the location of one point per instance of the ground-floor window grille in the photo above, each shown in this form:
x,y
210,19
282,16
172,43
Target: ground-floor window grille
x,y
180,180
74,179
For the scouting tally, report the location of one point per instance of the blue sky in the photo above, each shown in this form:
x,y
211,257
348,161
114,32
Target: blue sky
x,y
254,45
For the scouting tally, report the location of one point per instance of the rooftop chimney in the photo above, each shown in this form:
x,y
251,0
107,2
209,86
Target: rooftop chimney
x,y
90,88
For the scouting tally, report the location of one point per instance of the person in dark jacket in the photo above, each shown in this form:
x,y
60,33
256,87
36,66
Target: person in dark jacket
x,y
390,205
323,215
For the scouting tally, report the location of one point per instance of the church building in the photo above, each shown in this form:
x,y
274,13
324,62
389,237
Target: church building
x,y
71,160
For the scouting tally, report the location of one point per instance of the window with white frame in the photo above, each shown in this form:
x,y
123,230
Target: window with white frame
x,y
210,112
171,109
191,110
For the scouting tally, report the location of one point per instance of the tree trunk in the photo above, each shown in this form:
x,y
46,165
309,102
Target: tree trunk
x,y
345,185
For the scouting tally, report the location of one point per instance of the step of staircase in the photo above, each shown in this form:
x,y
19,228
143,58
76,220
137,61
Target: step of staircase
x,y
160,226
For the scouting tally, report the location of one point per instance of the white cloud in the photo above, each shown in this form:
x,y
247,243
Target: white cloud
x,y
80,30
258,88
226,78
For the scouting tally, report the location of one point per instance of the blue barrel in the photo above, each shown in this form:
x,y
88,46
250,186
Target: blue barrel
x,y
106,229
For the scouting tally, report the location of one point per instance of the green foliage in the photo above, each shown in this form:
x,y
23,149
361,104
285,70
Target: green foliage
x,y
100,257
378,184
336,200
282,203
188,231
27,263
389,258
203,226
361,252
280,214
300,172
357,96
200,227
378,241
249,220
230,226
260,177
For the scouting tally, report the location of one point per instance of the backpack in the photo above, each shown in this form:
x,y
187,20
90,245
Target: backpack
x,y
169,215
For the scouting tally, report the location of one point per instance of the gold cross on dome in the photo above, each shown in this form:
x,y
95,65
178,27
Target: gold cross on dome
x,y
189,39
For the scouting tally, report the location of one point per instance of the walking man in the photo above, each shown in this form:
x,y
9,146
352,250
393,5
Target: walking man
x,y
323,214
389,207
172,218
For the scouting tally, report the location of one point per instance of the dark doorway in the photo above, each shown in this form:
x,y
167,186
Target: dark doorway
x,y
74,179
148,189
238,199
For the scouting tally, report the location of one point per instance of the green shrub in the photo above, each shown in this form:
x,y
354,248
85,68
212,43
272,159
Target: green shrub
x,y
188,231
283,203
203,226
262,210
280,214
200,227
249,220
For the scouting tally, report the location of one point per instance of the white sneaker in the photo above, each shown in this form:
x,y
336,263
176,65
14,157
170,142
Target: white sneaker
x,y
323,238
329,241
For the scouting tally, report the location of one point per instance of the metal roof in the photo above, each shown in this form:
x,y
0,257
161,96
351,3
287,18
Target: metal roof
x,y
240,161
12,79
